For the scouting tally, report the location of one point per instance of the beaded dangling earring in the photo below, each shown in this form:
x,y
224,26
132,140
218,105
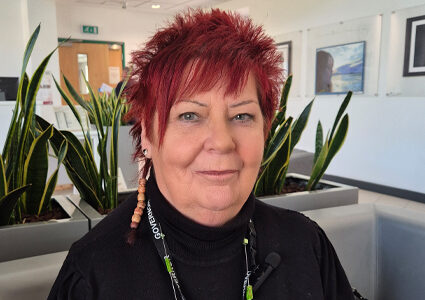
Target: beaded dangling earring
x,y
138,211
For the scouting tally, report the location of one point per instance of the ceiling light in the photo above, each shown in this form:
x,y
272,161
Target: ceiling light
x,y
156,6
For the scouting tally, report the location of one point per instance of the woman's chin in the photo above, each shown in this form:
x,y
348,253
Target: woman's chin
x,y
221,199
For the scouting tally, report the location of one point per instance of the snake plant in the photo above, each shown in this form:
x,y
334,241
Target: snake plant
x,y
24,186
97,185
325,151
283,137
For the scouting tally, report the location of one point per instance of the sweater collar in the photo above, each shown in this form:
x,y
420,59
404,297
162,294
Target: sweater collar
x,y
191,241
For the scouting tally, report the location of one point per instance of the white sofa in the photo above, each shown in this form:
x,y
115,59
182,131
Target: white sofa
x,y
382,249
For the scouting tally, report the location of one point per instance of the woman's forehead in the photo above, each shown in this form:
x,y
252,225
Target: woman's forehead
x,y
221,88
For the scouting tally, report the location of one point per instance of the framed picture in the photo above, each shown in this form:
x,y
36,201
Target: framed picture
x,y
414,49
285,48
340,68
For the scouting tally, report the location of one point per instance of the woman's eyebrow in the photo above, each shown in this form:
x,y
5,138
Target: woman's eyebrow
x,y
195,102
231,106
242,103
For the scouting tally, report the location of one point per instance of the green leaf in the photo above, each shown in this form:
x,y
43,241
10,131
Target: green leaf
x,y
22,93
75,156
114,153
33,87
3,181
277,141
51,183
35,171
281,181
74,94
278,121
277,165
300,124
285,93
259,184
29,48
79,165
8,203
340,112
335,144
13,131
73,109
318,165
319,141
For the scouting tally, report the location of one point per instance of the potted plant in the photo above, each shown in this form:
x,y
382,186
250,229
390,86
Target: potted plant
x,y
26,202
130,170
298,192
96,182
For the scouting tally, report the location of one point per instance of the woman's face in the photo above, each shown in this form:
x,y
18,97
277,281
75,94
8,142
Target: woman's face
x,y
208,162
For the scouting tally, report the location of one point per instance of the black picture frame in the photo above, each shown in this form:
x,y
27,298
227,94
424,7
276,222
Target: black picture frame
x,y
414,47
288,45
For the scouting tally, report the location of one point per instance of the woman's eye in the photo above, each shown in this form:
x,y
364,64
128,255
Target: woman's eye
x,y
188,116
244,117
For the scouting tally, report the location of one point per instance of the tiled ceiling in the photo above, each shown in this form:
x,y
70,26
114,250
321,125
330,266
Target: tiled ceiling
x,y
166,6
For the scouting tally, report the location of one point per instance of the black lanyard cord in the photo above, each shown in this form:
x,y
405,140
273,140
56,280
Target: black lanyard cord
x,y
165,255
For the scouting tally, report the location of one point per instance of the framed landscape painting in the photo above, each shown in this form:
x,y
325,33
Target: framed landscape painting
x,y
285,49
340,68
414,49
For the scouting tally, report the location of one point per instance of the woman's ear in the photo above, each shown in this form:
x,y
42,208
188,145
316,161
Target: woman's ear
x,y
146,143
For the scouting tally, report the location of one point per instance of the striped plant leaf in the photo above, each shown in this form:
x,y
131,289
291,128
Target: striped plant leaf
x,y
51,183
8,203
318,165
285,94
300,124
35,171
340,112
28,123
114,154
277,165
277,141
74,112
334,145
3,180
74,93
319,141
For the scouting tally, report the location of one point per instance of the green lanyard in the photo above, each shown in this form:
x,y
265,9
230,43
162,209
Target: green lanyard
x,y
165,255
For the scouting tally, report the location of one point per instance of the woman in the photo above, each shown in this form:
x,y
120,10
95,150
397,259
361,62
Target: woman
x,y
205,92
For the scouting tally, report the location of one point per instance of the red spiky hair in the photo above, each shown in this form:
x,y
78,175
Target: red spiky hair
x,y
216,47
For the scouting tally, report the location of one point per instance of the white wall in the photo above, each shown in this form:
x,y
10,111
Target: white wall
x,y
43,12
18,19
386,139
13,36
116,25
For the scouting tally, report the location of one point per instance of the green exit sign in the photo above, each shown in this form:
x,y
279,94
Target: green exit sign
x,y
90,29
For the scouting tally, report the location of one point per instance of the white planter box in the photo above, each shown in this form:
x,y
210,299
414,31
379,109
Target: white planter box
x,y
31,239
338,195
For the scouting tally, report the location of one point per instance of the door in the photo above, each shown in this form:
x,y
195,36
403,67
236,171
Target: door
x,y
101,63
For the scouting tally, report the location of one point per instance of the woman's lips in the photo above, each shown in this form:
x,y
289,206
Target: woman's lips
x,y
217,175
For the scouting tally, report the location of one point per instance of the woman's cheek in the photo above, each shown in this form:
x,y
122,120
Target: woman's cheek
x,y
182,146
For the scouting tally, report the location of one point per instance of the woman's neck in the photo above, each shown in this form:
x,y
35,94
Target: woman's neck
x,y
195,242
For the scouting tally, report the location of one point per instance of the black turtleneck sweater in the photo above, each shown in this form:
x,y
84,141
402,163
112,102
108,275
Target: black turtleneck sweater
x,y
209,262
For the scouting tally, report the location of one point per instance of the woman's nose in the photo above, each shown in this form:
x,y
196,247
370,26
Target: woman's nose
x,y
220,138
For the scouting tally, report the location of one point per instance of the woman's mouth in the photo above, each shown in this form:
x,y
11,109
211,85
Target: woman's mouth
x,y
216,175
